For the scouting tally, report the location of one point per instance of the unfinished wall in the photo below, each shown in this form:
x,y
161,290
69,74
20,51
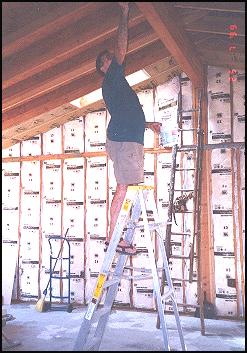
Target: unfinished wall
x,y
226,123
44,195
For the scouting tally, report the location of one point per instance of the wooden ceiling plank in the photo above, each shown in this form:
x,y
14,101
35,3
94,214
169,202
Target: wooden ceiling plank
x,y
222,58
233,6
217,25
220,44
53,22
64,44
82,86
194,16
164,21
139,36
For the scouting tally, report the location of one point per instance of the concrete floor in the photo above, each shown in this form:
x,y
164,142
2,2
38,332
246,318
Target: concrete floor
x,y
125,331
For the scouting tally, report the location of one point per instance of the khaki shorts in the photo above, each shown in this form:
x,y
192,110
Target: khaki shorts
x,y
128,161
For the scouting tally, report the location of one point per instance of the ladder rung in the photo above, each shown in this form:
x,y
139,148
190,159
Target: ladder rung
x,y
189,234
191,129
176,233
188,190
185,211
183,280
180,257
186,148
181,169
188,111
189,305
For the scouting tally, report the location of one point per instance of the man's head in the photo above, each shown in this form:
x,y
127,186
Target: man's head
x,y
103,61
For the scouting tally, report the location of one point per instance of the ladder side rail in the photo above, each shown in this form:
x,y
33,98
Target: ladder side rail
x,y
168,277
199,279
109,299
156,285
197,216
171,199
197,188
179,110
82,335
112,290
169,217
198,228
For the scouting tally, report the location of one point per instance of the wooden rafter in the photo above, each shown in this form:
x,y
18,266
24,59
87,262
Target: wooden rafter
x,y
52,22
62,45
164,21
65,72
79,87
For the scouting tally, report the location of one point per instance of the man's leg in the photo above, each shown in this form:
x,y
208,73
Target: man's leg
x,y
116,205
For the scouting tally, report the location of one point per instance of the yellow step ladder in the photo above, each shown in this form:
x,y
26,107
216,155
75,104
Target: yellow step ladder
x,y
134,206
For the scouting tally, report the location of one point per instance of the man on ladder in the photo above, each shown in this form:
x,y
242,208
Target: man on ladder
x,y
125,131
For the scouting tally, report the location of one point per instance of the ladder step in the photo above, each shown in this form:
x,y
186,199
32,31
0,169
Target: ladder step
x,y
168,294
59,277
140,269
152,226
140,277
111,282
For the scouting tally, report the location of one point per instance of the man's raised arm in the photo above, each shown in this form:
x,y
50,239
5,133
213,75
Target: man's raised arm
x,y
122,33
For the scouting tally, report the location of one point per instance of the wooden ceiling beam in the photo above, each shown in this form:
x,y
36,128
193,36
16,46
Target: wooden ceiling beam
x,y
82,86
63,73
64,44
44,26
233,6
165,22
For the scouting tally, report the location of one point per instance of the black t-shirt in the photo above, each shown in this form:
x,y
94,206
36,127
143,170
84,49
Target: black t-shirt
x,y
127,121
